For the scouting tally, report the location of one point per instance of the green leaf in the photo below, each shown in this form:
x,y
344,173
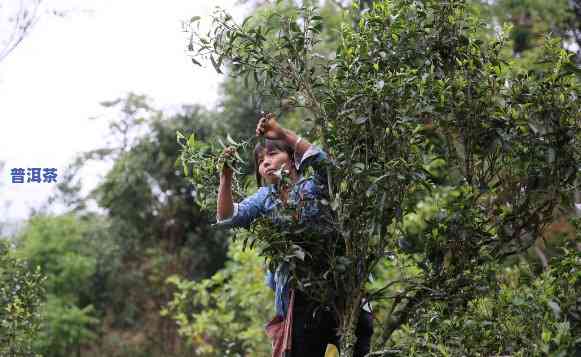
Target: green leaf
x,y
231,141
195,62
358,167
186,169
192,140
179,137
215,64
295,27
317,28
238,157
555,307
360,120
245,21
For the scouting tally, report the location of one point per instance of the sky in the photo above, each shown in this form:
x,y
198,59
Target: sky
x,y
52,84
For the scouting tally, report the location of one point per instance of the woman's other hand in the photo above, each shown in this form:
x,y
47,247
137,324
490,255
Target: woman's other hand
x,y
227,154
269,128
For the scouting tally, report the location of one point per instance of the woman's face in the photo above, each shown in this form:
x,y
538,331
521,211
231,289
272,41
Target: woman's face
x,y
270,161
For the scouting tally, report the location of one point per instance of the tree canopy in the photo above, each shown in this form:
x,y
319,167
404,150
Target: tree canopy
x,y
463,159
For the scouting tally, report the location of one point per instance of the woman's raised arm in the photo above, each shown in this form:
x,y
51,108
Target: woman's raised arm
x,y
225,203
269,128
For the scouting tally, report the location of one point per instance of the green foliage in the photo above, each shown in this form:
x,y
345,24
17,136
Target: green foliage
x,y
522,315
202,163
56,244
22,291
531,19
225,314
65,327
307,245
153,228
278,44
60,247
148,200
242,99
461,159
240,106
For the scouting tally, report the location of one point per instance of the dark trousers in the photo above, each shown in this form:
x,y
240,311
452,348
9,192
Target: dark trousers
x,y
315,327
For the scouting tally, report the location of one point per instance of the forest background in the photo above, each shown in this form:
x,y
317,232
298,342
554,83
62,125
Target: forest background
x,y
150,276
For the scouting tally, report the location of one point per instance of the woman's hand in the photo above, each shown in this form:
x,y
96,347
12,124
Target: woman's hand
x,y
227,154
224,204
269,128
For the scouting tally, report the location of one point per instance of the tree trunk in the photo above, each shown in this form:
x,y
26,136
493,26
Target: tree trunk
x,y
399,315
348,337
578,197
542,257
349,317
578,203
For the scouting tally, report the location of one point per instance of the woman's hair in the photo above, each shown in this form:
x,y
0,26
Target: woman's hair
x,y
269,144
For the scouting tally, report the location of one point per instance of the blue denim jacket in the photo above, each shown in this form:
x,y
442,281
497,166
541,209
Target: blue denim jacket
x,y
264,203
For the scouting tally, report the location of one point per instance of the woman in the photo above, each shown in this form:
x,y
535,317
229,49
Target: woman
x,y
313,326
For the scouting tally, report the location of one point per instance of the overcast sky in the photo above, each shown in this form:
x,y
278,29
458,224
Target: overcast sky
x,y
53,82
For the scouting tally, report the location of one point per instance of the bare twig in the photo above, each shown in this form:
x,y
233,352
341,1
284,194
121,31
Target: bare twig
x,y
383,353
24,20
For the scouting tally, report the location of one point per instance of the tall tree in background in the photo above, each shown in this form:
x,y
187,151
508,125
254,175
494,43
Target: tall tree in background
x,y
532,19
66,249
144,191
151,216
461,159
